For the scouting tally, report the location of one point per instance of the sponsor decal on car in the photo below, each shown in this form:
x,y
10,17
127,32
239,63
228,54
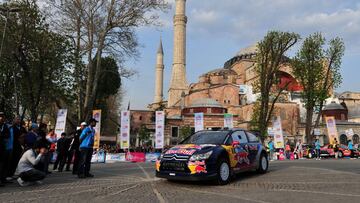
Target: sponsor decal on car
x,y
197,167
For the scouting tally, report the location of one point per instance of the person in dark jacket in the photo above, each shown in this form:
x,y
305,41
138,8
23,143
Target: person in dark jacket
x,y
31,136
75,148
4,135
18,131
61,150
86,149
41,139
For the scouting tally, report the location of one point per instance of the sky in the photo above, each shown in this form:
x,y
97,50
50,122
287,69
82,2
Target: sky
x,y
217,30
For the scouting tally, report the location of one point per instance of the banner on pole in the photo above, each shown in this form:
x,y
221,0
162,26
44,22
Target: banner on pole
x,y
159,131
60,122
125,130
331,128
97,116
278,133
228,121
199,121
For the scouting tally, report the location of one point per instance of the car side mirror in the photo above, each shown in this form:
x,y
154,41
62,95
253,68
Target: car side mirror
x,y
235,143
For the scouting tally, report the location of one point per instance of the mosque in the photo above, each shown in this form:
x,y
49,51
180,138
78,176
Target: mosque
x,y
229,89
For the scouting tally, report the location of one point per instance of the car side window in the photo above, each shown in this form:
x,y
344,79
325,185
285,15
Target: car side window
x,y
252,137
239,136
229,141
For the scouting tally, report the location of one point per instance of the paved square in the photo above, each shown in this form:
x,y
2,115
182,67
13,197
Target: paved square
x,y
287,181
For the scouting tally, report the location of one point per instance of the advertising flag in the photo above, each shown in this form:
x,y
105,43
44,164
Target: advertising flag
x,y
228,121
125,130
278,133
97,116
159,131
60,122
331,128
199,121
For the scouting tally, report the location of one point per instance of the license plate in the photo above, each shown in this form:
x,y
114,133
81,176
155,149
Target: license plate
x,y
172,174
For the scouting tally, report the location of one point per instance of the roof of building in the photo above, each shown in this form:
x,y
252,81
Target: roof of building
x,y
160,49
252,49
333,106
220,71
205,102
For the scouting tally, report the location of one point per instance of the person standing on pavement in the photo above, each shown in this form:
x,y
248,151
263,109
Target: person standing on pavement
x,y
26,168
31,136
18,131
351,148
317,147
336,148
4,136
75,147
51,137
61,150
271,149
298,149
86,149
287,149
45,159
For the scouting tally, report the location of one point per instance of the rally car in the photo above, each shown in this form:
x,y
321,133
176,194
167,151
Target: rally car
x,y
328,151
213,155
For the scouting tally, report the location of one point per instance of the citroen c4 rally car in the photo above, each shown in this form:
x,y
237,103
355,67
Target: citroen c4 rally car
x,y
213,155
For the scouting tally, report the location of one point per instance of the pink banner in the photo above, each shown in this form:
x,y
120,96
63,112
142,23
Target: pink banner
x,y
135,157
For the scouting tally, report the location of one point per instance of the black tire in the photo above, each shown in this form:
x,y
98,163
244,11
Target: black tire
x,y
341,155
223,166
263,164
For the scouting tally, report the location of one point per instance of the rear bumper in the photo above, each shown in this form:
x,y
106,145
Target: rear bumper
x,y
185,176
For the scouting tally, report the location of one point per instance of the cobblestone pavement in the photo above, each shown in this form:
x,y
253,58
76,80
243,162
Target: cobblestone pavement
x,y
287,181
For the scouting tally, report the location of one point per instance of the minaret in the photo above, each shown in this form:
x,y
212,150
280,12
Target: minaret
x,y
159,74
178,83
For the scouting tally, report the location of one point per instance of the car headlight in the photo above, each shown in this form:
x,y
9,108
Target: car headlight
x,y
198,157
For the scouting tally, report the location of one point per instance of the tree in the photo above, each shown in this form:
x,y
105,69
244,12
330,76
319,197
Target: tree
x,y
318,71
103,28
38,60
144,133
185,131
271,54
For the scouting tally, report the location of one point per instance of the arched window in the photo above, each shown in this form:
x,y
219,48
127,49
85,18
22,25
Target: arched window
x,y
343,139
356,139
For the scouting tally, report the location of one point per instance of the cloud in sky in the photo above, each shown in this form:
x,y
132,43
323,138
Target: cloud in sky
x,y
250,20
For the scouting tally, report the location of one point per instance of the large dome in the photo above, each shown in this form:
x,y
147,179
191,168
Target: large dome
x,y
248,50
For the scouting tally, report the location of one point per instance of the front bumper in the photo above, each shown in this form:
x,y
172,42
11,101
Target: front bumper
x,y
186,176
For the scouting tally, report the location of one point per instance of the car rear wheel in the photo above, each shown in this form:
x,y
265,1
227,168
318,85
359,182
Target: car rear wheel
x,y
263,164
340,154
223,175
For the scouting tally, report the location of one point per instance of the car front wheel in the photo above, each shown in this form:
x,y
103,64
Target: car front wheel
x,y
224,172
263,164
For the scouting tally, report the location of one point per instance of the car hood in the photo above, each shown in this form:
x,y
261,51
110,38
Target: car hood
x,y
190,149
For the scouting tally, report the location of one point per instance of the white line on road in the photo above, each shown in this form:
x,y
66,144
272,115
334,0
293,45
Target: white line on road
x,y
157,193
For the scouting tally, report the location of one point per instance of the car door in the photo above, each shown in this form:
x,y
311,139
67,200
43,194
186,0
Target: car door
x,y
241,150
253,147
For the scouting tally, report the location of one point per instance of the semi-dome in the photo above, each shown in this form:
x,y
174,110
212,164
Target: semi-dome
x,y
333,106
205,102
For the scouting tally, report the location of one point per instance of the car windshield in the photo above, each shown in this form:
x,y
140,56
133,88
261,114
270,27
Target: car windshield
x,y
206,137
